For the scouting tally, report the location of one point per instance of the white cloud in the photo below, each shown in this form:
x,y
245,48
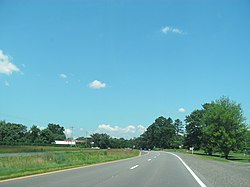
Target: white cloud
x,y
68,132
177,31
41,127
63,76
97,84
121,132
6,67
165,30
168,29
182,110
141,128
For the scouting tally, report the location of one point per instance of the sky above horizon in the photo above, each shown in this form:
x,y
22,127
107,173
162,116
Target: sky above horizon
x,y
115,66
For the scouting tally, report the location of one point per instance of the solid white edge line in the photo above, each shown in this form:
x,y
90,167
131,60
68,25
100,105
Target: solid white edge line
x,y
189,169
134,167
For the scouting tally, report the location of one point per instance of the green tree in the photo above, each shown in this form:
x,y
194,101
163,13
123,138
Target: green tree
x,y
248,138
47,136
168,134
224,126
160,134
12,133
179,127
57,131
101,140
194,124
34,135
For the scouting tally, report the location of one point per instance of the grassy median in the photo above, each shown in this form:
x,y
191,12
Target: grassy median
x,y
26,165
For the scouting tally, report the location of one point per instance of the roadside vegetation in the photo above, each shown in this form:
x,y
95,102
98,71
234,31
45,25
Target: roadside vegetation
x,y
233,156
18,135
219,127
27,149
17,166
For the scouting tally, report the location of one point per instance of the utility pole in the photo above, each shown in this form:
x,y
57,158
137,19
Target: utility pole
x,y
86,139
72,128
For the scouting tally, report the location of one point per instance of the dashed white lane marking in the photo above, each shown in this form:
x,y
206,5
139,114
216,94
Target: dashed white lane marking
x,y
149,159
134,167
155,157
188,168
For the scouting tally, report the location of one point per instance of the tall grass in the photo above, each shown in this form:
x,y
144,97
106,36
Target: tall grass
x,y
18,149
25,165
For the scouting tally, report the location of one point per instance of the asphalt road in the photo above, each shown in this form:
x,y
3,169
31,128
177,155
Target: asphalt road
x,y
154,169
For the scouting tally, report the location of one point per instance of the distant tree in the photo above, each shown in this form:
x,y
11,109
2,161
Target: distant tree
x,y
3,131
12,133
101,140
57,131
47,137
194,124
179,127
168,134
160,134
34,135
178,141
248,138
51,133
119,143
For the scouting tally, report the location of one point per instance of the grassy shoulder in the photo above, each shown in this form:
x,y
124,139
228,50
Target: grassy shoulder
x,y
18,166
233,156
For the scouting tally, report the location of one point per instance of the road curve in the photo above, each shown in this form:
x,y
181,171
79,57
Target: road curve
x,y
153,169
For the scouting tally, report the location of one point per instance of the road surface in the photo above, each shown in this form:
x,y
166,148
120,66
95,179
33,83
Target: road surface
x,y
154,169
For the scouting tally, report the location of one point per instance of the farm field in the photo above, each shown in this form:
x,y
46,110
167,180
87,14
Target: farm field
x,y
16,166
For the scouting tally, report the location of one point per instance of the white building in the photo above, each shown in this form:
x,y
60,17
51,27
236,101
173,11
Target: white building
x,y
65,142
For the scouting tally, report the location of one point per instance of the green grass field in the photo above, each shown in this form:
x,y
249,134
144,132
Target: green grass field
x,y
25,149
233,156
50,161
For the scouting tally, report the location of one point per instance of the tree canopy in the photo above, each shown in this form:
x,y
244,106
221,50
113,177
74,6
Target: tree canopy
x,y
219,126
163,133
12,133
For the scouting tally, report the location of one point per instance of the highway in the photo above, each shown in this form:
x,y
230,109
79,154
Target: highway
x,y
155,169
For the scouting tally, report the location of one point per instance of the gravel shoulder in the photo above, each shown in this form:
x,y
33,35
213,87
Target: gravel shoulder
x,y
219,174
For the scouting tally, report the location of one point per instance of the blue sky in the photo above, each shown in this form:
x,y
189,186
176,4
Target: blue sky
x,y
115,66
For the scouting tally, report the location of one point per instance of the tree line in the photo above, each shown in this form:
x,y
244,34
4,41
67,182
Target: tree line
x,y
17,134
218,126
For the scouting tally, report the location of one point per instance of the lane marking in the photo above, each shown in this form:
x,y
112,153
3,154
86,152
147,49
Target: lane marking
x,y
134,167
149,159
155,157
190,171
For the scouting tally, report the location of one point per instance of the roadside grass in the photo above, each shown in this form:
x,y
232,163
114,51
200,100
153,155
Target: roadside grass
x,y
18,166
22,149
233,156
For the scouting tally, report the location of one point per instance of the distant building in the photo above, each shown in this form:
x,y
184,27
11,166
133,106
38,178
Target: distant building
x,y
65,142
